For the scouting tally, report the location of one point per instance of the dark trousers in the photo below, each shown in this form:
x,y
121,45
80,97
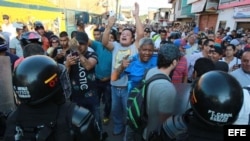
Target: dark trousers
x,y
104,93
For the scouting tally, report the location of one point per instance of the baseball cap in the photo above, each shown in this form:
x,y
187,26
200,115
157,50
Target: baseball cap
x,y
217,45
218,50
169,51
18,25
5,16
147,30
235,42
228,39
181,42
82,37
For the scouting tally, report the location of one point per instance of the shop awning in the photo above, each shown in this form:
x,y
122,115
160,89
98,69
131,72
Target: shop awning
x,y
198,6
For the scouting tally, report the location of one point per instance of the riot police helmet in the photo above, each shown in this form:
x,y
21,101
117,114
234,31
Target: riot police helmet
x,y
30,37
38,25
216,98
36,79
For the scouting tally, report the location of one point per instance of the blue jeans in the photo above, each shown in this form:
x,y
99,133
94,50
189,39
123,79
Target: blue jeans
x,y
104,92
119,105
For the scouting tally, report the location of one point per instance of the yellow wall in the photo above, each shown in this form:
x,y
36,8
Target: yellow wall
x,y
26,15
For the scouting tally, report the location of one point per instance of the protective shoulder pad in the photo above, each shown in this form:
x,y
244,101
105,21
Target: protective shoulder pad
x,y
80,116
175,126
85,125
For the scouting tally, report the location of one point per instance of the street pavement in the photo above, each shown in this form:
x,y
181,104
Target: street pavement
x,y
109,128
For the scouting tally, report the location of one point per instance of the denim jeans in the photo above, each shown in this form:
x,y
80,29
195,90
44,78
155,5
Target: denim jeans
x,y
119,105
104,92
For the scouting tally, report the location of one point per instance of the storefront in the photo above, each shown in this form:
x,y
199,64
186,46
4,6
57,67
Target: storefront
x,y
235,17
244,25
205,13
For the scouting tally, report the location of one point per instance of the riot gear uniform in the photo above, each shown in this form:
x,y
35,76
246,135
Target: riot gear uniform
x,y
212,106
37,85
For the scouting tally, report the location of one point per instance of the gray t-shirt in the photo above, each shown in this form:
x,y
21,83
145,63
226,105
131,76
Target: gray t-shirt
x,y
242,77
15,44
161,96
117,55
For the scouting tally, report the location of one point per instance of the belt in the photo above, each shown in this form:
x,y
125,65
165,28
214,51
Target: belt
x,y
105,79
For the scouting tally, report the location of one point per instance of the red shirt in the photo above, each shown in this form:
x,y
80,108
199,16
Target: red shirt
x,y
45,42
180,71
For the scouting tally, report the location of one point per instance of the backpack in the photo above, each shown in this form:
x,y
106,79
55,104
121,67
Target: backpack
x,y
137,116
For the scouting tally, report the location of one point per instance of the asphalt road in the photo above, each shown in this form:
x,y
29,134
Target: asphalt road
x,y
109,128
181,105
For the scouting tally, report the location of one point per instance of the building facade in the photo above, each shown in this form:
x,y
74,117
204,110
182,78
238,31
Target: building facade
x,y
234,14
202,13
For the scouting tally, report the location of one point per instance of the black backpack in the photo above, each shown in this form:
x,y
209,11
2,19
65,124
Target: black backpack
x,y
137,116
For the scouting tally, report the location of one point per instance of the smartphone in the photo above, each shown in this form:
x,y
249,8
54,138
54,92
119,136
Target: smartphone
x,y
75,54
59,51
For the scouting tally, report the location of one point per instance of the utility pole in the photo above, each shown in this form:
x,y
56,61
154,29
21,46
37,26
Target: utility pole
x,y
117,7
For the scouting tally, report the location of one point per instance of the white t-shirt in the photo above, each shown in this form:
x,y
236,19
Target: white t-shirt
x,y
232,63
243,117
15,44
10,29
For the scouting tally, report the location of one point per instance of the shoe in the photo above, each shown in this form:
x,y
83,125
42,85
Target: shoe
x,y
105,121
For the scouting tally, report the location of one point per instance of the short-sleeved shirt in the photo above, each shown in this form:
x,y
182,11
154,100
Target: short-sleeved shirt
x,y
180,71
118,53
191,61
82,80
242,77
161,95
137,69
103,68
15,44
235,61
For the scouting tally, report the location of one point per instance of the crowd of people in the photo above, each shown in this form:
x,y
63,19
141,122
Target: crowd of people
x,y
107,67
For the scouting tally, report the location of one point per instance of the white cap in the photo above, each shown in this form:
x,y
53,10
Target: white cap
x,y
18,25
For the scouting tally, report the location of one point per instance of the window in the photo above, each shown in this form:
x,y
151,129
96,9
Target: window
x,y
226,1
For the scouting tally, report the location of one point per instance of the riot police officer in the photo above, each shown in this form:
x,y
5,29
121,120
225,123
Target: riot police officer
x,y
44,114
216,99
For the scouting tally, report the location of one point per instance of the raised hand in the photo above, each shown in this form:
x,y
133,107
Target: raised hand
x,y
136,11
111,21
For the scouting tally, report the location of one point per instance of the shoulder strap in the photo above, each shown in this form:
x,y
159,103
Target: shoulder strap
x,y
151,79
155,77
